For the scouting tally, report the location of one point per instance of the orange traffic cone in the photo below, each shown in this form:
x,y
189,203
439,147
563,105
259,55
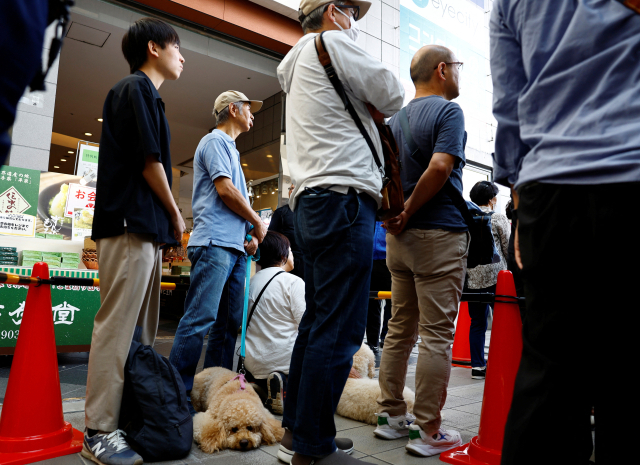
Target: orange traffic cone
x,y
461,352
504,359
32,426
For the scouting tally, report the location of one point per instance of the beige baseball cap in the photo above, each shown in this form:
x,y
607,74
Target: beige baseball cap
x,y
307,6
233,96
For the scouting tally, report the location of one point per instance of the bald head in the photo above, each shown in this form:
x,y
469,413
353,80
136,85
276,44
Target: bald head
x,y
426,60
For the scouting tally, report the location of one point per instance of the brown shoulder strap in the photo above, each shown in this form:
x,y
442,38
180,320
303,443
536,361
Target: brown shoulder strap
x,y
633,4
323,55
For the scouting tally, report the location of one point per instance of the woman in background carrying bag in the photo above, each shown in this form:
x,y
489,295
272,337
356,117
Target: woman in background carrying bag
x,y
483,278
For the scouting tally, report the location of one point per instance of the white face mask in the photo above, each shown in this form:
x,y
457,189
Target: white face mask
x,y
354,31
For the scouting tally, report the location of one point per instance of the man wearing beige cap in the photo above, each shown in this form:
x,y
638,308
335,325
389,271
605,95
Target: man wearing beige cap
x,y
336,195
222,217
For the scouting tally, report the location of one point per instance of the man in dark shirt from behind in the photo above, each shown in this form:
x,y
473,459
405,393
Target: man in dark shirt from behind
x,y
135,215
282,222
427,257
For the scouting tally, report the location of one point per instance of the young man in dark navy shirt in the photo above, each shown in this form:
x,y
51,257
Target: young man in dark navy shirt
x,y
135,215
427,257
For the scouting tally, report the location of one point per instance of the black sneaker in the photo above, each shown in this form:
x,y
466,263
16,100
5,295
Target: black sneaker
x,y
276,394
374,349
478,373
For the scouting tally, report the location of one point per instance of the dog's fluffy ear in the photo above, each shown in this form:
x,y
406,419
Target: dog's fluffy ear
x,y
209,432
271,431
372,368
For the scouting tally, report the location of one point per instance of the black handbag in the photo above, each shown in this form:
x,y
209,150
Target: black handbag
x,y
482,249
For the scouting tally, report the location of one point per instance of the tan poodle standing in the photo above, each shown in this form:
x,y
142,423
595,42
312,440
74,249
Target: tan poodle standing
x,y
232,415
359,399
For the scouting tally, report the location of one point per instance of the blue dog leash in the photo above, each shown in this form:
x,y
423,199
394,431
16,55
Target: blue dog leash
x,y
255,258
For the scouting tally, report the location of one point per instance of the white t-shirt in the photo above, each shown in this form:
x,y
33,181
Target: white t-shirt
x,y
274,325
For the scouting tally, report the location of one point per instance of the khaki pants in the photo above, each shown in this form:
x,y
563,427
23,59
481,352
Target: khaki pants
x,y
130,273
427,275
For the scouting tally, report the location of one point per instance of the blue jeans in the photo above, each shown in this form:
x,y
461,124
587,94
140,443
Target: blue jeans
x,y
479,313
213,305
335,232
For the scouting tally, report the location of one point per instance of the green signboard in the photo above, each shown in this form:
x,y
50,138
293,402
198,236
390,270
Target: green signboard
x,y
90,156
19,188
73,309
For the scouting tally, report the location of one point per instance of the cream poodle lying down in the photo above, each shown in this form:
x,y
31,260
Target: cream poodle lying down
x,y
232,415
359,398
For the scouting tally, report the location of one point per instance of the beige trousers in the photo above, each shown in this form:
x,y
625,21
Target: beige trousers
x,y
427,275
130,274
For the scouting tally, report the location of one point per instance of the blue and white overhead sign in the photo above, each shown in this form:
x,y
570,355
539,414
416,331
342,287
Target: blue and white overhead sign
x,y
462,26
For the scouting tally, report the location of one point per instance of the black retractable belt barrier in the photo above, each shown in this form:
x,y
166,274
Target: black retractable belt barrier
x,y
472,297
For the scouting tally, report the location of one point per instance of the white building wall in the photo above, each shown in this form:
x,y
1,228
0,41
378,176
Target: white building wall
x,y
380,27
380,35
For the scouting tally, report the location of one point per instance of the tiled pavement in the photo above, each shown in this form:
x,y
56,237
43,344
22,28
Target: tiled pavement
x,y
462,412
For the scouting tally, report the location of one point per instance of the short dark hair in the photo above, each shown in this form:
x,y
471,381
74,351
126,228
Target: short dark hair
x,y
482,192
274,249
136,40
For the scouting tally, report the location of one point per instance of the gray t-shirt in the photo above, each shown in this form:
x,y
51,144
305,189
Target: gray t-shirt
x,y
437,125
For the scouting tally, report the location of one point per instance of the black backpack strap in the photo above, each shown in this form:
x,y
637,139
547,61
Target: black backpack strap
x,y
325,61
253,307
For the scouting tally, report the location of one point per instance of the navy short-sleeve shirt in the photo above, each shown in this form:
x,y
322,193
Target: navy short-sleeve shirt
x,y
437,125
134,126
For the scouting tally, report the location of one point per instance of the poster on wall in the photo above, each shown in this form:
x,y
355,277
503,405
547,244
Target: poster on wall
x,y
87,164
52,204
461,26
79,196
15,224
82,224
18,200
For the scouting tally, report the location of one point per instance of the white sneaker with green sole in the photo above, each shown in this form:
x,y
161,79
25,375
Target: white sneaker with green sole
x,y
424,445
393,427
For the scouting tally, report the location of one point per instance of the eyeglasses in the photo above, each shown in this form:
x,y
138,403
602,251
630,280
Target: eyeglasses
x,y
355,13
459,63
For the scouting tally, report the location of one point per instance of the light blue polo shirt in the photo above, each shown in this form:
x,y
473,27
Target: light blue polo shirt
x,y
213,222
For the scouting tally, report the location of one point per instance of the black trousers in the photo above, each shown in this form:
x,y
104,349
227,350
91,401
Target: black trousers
x,y
580,254
380,281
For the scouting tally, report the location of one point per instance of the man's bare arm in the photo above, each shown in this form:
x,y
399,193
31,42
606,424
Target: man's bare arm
x,y
236,202
155,176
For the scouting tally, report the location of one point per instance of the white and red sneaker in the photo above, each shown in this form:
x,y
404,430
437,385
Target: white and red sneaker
x,y
424,445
